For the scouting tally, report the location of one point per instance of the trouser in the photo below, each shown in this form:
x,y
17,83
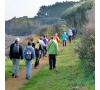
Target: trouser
x,y
52,61
44,51
28,68
41,54
70,38
15,66
64,43
73,36
37,60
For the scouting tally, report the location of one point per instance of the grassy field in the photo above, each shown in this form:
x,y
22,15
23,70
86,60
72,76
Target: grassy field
x,y
67,76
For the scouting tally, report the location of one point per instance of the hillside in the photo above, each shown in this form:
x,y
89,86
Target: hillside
x,y
47,15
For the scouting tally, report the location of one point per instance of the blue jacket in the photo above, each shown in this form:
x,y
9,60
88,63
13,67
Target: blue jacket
x,y
33,51
64,37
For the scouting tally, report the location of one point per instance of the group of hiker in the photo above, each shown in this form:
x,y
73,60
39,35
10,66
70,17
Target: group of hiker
x,y
37,50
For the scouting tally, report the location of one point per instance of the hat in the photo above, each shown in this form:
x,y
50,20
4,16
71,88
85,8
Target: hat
x,y
17,39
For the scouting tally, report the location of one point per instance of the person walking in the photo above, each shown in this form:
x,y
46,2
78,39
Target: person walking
x,y
15,55
42,46
56,38
52,49
33,43
45,47
64,38
38,48
70,34
28,55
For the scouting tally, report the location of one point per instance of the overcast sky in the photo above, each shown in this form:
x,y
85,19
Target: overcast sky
x,y
20,8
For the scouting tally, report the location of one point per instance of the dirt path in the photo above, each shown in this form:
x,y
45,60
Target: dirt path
x,y
15,83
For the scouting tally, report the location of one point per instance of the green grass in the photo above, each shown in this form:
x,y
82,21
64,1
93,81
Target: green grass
x,y
67,76
8,67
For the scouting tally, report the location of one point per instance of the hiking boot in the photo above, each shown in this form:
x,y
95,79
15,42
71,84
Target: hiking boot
x,y
35,67
27,78
13,74
16,76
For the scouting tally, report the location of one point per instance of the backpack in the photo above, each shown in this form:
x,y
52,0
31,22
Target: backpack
x,y
16,48
28,54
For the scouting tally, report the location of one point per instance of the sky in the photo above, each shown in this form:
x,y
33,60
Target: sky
x,y
20,8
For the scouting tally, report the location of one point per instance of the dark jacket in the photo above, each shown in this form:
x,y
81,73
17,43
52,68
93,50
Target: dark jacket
x,y
37,51
15,55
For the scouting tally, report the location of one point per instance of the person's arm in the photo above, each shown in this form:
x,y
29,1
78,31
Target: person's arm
x,y
10,53
21,52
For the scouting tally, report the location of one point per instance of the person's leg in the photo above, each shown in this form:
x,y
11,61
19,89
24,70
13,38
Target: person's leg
x,y
65,42
13,66
29,68
36,61
16,68
50,62
54,61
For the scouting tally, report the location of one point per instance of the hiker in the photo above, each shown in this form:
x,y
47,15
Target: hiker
x,y
33,43
15,55
52,49
45,49
28,55
42,46
70,34
37,53
64,38
73,31
56,38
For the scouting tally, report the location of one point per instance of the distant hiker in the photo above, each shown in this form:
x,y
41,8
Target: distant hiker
x,y
33,43
28,55
74,32
56,38
38,49
45,47
52,49
15,56
64,38
42,46
70,34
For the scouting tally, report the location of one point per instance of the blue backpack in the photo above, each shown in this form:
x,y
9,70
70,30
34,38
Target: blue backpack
x,y
28,54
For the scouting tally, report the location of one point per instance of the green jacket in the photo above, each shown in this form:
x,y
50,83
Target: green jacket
x,y
52,47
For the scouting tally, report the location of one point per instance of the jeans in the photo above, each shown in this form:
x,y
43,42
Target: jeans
x,y
15,66
52,61
40,56
28,68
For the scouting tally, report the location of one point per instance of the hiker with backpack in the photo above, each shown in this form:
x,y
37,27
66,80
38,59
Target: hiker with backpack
x,y
52,49
28,55
15,55
38,49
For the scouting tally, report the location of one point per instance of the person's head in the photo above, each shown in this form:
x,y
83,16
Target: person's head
x,y
29,43
37,40
31,39
52,37
17,40
43,36
64,32
56,34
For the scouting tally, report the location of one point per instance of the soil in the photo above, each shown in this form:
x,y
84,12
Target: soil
x,y
15,83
